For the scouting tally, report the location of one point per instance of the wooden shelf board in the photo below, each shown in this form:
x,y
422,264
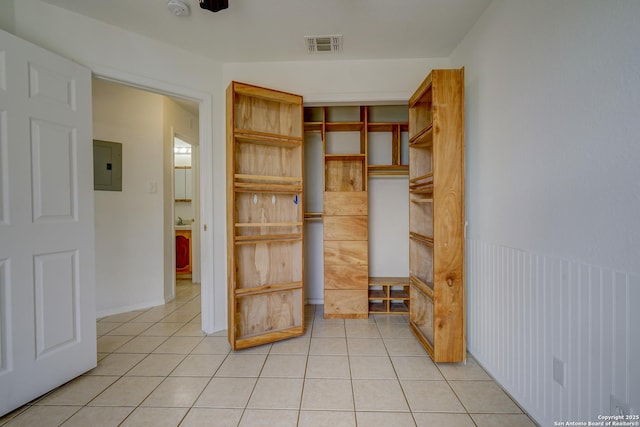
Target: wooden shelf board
x,y
377,294
266,289
388,170
343,126
422,139
398,307
422,239
343,157
313,216
424,87
386,126
268,238
260,138
267,224
267,178
392,281
249,187
398,294
422,200
312,126
425,287
377,307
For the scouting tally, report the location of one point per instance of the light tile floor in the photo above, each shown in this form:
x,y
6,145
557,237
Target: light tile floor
x,y
156,368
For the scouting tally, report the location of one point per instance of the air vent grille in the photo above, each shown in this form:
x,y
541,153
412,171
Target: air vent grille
x,y
324,44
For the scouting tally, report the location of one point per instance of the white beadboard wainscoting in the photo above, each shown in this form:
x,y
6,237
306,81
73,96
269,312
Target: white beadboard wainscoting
x,y
536,322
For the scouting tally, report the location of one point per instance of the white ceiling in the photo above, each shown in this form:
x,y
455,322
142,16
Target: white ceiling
x,y
274,30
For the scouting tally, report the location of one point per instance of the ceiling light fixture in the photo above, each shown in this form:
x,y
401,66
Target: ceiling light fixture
x,y
178,8
214,5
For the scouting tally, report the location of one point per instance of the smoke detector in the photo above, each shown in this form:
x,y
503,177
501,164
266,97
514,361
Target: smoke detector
x,y
324,44
178,8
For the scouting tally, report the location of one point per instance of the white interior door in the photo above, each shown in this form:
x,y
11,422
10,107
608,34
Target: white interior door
x,y
47,283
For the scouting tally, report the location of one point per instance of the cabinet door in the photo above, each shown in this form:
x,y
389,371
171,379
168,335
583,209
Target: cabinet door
x,y
264,215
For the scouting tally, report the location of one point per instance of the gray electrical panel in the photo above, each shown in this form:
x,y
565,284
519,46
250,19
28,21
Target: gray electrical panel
x,y
107,165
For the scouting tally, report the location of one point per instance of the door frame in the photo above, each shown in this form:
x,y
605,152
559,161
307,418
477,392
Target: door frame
x,y
213,309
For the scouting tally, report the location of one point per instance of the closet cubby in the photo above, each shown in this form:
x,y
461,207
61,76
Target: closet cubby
x,y
389,295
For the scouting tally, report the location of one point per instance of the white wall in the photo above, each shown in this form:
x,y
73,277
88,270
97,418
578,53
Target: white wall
x,y
553,196
128,224
7,22
121,55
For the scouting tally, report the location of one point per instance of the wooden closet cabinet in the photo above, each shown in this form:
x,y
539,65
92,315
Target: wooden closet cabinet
x,y
436,215
264,215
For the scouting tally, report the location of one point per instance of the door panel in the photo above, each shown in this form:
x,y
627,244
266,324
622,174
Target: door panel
x,y
47,274
265,233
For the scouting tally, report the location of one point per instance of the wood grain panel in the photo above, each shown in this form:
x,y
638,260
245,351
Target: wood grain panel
x,y
346,203
270,312
346,304
346,253
345,228
345,175
346,277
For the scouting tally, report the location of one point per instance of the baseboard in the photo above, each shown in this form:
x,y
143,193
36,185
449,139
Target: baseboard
x,y
124,309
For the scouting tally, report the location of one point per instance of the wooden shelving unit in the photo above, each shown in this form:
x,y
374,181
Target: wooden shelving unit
x,y
436,215
264,215
389,295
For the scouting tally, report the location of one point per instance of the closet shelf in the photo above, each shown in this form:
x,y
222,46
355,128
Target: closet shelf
x,y
422,239
268,238
253,187
423,139
262,138
343,126
388,170
350,156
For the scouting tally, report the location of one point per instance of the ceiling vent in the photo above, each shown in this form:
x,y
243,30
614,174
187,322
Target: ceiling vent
x,y
324,44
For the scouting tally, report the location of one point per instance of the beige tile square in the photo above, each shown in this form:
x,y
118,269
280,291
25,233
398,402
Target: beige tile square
x,y
268,418
199,365
386,319
177,392
127,391
369,367
190,330
122,317
260,349
109,343
197,320
284,366
327,394
386,419
101,356
502,420
362,330
484,397
276,393
78,391
162,329
178,345
226,393
404,347
328,367
213,345
198,417
366,347
326,418
328,346
395,330
156,365
298,345
431,396
242,365
470,370
178,317
116,364
324,330
43,416
102,328
152,316
141,345
156,417
131,328
379,395
429,419
416,368
96,416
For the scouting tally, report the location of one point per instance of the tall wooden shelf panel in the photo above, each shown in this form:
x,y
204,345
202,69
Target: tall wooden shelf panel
x,y
345,204
264,215
436,215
